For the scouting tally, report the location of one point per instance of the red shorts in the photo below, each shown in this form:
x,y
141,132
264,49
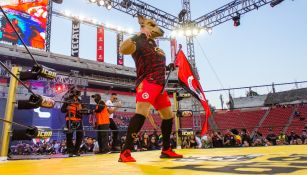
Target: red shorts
x,y
150,92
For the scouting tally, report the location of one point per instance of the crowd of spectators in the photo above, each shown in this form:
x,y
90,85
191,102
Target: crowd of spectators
x,y
153,141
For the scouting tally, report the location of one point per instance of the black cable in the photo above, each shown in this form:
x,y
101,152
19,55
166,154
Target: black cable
x,y
23,84
18,124
8,20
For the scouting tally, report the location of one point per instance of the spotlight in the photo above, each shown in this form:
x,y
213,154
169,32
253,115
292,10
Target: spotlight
x,y
188,32
109,6
92,1
101,2
67,13
275,2
81,17
236,20
209,30
195,31
119,28
180,32
130,31
94,21
173,33
202,30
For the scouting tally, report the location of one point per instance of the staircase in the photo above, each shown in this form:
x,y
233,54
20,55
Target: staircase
x,y
290,120
262,120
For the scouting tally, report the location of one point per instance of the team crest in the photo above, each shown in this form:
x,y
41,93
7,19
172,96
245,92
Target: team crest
x,y
145,95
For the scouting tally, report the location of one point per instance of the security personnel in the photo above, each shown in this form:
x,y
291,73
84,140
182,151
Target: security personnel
x,y
102,124
73,123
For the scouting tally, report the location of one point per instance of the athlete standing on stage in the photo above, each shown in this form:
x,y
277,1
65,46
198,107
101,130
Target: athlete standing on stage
x,y
150,68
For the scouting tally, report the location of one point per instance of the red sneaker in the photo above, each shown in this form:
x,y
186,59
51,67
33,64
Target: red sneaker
x,y
170,154
125,156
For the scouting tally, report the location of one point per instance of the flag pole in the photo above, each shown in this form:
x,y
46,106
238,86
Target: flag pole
x,y
169,73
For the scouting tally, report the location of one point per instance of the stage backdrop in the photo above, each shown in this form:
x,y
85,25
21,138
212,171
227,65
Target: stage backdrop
x,y
29,18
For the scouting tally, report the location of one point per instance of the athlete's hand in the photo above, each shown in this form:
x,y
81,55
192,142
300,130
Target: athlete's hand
x,y
171,67
145,31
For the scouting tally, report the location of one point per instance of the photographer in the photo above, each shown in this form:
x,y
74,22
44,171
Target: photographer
x,y
102,123
73,121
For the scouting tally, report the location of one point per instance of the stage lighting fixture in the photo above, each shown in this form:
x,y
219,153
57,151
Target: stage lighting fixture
x,y
101,2
109,6
92,1
188,32
58,1
236,20
173,33
130,31
195,31
67,13
275,2
202,30
181,15
180,32
209,30
126,3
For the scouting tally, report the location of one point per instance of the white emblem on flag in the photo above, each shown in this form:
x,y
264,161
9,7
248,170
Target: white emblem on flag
x,y
145,95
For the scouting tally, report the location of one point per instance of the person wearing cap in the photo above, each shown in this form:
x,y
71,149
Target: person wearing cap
x,y
102,124
73,118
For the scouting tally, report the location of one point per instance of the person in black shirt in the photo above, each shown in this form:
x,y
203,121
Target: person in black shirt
x,y
217,140
245,138
292,138
271,137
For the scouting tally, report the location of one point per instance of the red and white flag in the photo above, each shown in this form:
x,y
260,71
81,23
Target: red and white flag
x,y
189,82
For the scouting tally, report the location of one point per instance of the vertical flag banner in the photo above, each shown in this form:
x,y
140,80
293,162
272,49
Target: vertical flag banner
x,y
75,38
173,49
120,57
29,19
100,44
189,82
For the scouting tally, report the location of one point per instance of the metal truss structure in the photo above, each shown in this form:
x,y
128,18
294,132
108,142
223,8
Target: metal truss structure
x,y
228,11
48,30
135,7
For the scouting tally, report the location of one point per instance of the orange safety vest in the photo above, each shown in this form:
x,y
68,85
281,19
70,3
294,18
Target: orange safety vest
x,y
72,112
102,117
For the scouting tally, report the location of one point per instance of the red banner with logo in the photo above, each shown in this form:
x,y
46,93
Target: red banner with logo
x,y
173,49
120,57
100,44
189,82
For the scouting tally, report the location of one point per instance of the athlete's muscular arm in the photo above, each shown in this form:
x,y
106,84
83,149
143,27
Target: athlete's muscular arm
x,y
128,47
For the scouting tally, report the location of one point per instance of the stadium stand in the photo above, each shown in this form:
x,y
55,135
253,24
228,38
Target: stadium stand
x,y
300,121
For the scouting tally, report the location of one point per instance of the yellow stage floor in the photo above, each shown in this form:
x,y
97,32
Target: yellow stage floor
x,y
288,160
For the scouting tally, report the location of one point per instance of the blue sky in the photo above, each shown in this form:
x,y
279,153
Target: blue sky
x,y
269,46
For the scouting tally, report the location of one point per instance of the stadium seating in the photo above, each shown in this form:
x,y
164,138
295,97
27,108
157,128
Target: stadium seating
x,y
238,118
297,125
276,119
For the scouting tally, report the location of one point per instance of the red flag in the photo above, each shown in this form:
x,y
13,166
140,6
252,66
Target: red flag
x,y
189,82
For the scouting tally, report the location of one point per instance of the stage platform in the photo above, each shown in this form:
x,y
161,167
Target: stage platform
x,y
288,160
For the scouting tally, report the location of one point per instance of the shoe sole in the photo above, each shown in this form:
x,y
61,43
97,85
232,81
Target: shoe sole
x,y
121,160
163,156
